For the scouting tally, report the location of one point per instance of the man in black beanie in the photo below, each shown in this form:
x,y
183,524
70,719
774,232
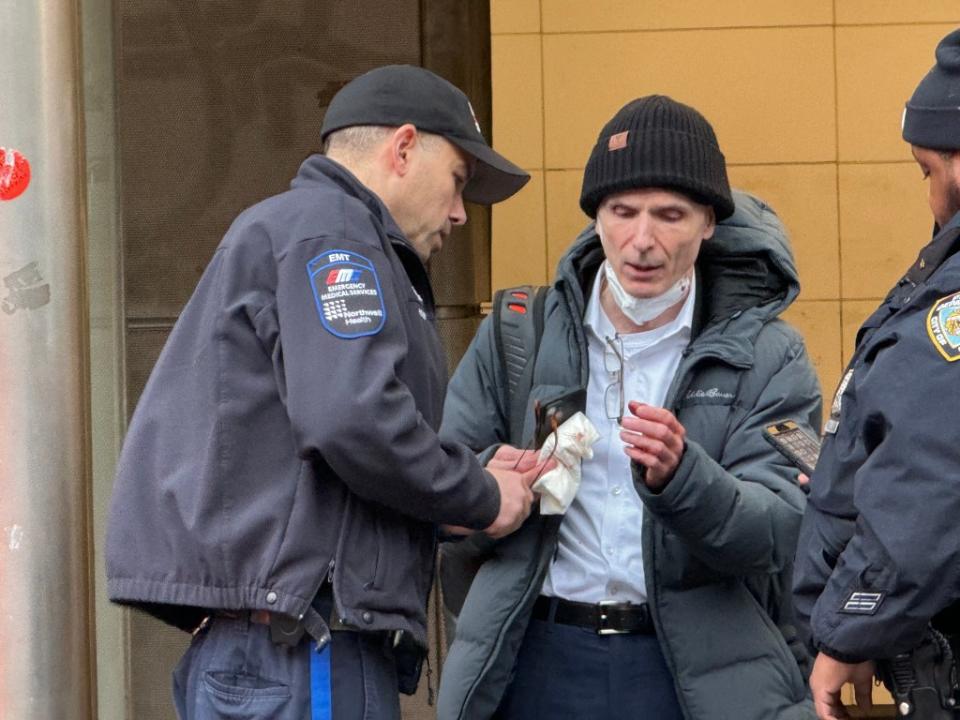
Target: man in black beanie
x,y
877,577
658,591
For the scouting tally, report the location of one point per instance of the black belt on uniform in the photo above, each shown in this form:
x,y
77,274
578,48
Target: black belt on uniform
x,y
286,630
605,618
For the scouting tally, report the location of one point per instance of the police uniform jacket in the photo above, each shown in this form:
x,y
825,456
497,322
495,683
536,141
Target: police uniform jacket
x,y
288,431
878,552
719,540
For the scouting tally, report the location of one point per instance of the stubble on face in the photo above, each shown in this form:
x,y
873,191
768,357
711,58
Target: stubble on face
x,y
941,170
953,201
434,202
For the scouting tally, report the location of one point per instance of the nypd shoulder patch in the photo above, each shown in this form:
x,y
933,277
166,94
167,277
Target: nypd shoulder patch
x,y
347,292
943,326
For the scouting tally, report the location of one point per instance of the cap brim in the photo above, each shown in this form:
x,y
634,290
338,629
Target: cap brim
x,y
494,178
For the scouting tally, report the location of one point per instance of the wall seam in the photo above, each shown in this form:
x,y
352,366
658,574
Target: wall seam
x,y
836,112
723,28
543,150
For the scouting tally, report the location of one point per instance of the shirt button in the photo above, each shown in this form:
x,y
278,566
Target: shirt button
x,y
617,490
366,616
608,550
271,597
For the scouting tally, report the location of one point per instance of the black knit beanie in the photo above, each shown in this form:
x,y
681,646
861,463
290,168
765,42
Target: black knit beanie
x,y
932,116
655,141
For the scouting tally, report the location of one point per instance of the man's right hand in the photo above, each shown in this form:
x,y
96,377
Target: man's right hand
x,y
829,676
515,471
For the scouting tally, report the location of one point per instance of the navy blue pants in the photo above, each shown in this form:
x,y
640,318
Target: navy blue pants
x,y
233,671
565,671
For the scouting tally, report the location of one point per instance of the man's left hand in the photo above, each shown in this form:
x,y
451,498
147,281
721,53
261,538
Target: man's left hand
x,y
654,438
508,457
829,675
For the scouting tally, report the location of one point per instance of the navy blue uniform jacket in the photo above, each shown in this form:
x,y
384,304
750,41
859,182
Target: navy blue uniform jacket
x,y
288,430
879,550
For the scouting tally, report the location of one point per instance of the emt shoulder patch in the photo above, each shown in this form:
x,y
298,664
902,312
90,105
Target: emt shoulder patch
x,y
347,292
862,602
943,326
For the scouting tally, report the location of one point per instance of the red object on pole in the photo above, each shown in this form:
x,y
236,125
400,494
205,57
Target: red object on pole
x,y
14,173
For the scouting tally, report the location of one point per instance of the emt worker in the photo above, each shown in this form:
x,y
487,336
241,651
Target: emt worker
x,y
282,481
660,593
877,572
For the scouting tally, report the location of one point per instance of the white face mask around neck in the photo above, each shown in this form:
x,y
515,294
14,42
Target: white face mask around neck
x,y
643,310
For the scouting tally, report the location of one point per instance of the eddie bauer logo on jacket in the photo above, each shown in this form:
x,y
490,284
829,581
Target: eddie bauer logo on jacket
x,y
711,394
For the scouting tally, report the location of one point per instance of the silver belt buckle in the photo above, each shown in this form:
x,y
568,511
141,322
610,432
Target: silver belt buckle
x,y
601,625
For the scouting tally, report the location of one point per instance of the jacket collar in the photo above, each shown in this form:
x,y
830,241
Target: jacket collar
x,y
319,170
945,243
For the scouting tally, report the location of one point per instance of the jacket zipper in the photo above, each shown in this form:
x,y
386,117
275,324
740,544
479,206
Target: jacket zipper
x,y
686,376
431,695
316,589
337,554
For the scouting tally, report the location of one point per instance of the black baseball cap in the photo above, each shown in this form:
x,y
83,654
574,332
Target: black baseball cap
x,y
397,94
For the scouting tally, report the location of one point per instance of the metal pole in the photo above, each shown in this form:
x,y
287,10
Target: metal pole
x,y
45,657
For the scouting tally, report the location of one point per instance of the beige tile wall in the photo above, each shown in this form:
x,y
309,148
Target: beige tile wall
x,y
806,98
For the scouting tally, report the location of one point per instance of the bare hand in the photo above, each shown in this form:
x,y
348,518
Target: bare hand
x,y
829,675
655,439
516,497
508,457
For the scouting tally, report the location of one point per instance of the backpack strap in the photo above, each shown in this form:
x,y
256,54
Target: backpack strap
x,y
518,327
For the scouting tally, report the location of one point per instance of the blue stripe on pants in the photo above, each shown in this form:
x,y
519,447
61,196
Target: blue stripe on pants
x,y
234,671
320,701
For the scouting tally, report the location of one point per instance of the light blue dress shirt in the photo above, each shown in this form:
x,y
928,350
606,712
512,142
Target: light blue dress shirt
x,y
600,554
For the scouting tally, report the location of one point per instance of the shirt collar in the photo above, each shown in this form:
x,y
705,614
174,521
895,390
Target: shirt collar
x,y
595,318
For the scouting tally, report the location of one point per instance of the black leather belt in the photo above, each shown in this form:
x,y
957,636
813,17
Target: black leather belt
x,y
606,618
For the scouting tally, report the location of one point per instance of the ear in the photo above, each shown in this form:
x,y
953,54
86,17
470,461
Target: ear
x,y
403,144
954,163
711,223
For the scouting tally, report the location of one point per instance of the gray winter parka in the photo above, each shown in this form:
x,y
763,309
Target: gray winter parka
x,y
718,542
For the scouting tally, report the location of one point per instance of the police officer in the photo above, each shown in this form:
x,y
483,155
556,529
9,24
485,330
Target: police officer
x,y
878,552
282,477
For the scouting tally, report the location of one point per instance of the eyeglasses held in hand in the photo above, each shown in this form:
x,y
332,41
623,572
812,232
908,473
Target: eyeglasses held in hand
x,y
613,401
554,424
